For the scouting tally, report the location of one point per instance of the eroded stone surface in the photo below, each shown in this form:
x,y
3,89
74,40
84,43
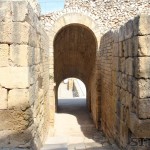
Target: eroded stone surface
x,y
24,76
144,105
18,98
21,55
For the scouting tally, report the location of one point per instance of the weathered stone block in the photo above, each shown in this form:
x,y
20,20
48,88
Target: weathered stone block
x,y
20,6
11,32
144,45
4,53
14,77
142,67
141,25
13,120
27,13
144,108
18,98
18,33
140,128
144,88
3,98
5,11
22,55
135,45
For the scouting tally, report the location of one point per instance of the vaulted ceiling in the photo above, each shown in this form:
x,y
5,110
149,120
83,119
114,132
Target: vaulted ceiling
x,y
74,53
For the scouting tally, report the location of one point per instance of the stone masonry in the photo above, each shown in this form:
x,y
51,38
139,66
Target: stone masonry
x,y
24,77
124,75
104,43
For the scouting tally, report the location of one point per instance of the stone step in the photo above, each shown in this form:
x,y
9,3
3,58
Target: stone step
x,y
55,143
54,147
72,143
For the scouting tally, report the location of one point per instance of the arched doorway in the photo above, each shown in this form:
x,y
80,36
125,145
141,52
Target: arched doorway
x,y
71,88
75,48
73,119
71,96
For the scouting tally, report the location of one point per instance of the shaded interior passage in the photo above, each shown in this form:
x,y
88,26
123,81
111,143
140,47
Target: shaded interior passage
x,y
74,55
73,116
73,127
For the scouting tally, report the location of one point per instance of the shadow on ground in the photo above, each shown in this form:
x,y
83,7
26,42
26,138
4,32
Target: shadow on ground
x,y
74,120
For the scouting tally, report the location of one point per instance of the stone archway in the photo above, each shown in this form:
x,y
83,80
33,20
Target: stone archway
x,y
65,23
74,54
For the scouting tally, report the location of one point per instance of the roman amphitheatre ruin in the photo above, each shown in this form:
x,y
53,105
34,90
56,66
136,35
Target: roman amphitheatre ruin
x,y
104,43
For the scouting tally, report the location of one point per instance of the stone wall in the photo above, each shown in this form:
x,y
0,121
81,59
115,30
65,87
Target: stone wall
x,y
34,4
95,95
117,76
107,14
113,89
24,77
106,84
68,22
124,81
110,14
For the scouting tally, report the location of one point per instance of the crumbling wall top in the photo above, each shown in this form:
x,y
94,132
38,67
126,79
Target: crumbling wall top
x,y
34,4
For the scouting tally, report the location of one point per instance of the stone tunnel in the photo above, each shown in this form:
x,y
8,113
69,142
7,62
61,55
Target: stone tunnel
x,y
75,47
106,44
